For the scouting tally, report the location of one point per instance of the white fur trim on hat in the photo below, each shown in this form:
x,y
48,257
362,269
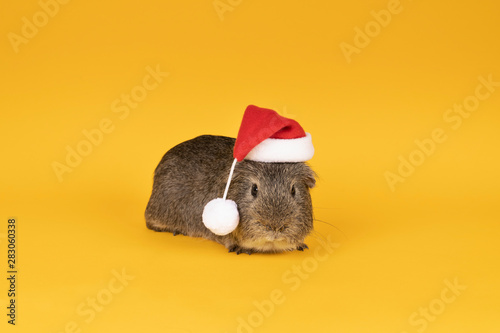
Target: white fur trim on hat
x,y
283,150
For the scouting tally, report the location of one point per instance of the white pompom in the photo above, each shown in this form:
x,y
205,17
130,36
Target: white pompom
x,y
221,216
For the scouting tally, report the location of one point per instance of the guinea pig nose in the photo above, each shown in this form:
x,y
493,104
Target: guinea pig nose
x,y
276,228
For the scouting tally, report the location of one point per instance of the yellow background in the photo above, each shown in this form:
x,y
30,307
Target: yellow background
x,y
395,250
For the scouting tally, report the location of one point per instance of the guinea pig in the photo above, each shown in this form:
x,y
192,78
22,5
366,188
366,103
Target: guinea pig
x,y
273,199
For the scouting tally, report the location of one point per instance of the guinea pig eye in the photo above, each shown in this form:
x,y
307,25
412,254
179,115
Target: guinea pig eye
x,y
254,190
292,191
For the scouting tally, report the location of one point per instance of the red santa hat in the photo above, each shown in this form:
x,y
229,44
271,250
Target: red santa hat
x,y
264,136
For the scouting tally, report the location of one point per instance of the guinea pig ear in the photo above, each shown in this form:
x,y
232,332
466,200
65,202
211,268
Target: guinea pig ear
x,y
310,178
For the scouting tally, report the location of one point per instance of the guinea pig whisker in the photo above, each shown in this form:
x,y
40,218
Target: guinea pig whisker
x,y
318,236
331,225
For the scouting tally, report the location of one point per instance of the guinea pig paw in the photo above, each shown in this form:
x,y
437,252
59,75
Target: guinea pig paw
x,y
236,248
247,251
233,248
176,232
302,247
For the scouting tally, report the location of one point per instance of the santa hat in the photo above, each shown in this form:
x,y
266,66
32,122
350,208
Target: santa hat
x,y
264,136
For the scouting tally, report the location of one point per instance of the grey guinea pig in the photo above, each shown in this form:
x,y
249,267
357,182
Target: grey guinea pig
x,y
273,199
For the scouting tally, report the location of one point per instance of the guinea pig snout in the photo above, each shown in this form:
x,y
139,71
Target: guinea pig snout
x,y
274,227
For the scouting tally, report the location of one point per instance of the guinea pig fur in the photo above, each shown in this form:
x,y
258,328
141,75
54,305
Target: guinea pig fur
x,y
273,199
